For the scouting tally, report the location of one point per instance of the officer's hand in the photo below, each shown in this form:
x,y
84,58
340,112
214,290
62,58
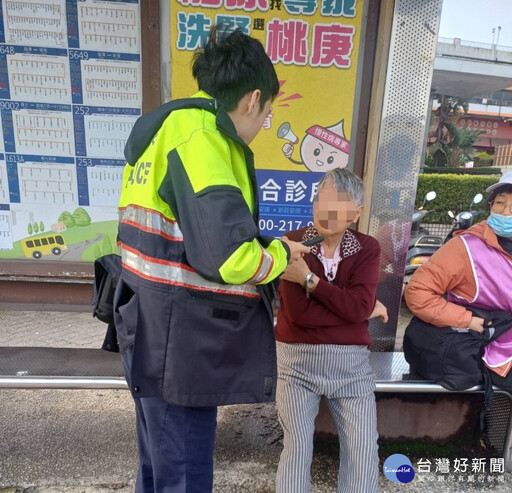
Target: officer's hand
x,y
297,250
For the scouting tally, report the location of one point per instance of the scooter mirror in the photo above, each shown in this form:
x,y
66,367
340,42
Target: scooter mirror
x,y
451,214
430,196
477,198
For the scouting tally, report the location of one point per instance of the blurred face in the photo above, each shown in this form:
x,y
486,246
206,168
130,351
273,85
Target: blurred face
x,y
502,204
333,211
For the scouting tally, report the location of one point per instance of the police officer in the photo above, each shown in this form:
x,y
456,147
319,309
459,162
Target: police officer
x,y
192,306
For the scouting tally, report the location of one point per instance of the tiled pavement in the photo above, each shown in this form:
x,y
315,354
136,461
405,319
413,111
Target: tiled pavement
x,y
99,425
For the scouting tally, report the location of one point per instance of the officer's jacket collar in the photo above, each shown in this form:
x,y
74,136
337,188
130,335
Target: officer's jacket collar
x,y
147,125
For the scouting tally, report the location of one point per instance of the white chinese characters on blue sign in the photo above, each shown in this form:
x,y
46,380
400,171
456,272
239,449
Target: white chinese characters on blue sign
x,y
286,199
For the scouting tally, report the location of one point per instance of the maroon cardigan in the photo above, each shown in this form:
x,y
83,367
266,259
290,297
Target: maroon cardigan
x,y
335,313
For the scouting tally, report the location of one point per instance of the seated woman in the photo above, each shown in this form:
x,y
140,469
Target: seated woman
x,y
322,332
472,269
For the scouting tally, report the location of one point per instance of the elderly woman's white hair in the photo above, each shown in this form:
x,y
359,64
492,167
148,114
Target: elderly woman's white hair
x,y
344,180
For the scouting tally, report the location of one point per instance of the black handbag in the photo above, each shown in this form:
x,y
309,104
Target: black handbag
x,y
452,357
107,270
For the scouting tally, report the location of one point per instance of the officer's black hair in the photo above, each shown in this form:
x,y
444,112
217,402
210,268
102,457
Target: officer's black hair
x,y
232,64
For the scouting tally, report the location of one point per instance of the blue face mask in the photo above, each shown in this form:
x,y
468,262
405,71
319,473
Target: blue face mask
x,y
501,225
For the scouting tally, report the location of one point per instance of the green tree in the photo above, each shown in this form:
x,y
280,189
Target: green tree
x,y
97,251
41,226
106,246
81,217
67,219
29,229
452,145
458,150
35,227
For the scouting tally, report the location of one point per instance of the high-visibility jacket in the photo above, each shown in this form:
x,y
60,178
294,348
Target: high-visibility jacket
x,y
191,297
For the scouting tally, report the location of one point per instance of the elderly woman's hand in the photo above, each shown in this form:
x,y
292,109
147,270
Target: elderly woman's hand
x,y
380,311
476,324
296,271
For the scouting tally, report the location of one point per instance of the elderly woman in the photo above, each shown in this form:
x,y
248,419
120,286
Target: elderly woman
x,y
322,341
472,269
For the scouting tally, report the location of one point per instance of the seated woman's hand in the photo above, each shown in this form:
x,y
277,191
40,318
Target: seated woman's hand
x,y
476,324
380,311
296,271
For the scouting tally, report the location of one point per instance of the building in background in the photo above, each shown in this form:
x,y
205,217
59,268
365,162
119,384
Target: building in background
x,y
481,74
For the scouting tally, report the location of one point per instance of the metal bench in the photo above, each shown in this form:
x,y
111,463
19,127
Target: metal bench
x,y
392,375
60,368
65,368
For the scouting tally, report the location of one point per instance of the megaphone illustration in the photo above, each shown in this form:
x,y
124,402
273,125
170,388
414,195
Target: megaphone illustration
x,y
285,132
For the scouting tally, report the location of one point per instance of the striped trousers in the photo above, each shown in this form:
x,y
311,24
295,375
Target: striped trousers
x,y
344,376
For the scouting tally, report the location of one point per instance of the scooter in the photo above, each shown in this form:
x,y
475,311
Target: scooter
x,y
422,245
465,219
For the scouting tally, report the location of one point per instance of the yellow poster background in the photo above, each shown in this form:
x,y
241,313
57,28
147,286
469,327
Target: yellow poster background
x,y
321,96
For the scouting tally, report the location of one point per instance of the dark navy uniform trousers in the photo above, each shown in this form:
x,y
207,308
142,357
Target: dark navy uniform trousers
x,y
176,444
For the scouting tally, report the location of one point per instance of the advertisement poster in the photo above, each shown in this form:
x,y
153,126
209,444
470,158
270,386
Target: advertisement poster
x,y
314,45
70,91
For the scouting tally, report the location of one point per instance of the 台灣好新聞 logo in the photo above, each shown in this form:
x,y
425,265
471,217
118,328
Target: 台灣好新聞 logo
x,y
398,469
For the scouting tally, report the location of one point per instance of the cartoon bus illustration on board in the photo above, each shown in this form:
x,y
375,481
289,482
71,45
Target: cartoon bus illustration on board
x,y
36,247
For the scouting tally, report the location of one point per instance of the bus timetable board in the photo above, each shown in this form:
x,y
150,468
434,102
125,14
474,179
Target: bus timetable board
x,y
70,91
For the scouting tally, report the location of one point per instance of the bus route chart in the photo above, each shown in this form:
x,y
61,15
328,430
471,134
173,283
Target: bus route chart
x,y
70,92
